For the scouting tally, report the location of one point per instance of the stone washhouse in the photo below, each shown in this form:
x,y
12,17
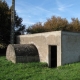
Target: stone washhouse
x,y
55,48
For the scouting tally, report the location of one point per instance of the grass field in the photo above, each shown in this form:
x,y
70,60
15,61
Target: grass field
x,y
37,71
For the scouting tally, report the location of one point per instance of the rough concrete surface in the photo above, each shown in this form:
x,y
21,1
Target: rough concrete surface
x,y
42,42
22,53
68,45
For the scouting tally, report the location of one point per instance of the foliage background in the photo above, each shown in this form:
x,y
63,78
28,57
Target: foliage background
x,y
5,25
55,24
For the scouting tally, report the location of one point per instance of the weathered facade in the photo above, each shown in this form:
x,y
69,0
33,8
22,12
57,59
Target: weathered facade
x,y
56,48
22,53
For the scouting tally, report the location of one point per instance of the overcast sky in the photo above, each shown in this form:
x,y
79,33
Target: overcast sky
x,y
33,11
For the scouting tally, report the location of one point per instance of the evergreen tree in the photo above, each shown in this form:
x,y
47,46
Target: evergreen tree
x,y
5,24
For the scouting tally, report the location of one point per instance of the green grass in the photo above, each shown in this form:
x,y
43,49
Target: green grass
x,y
37,71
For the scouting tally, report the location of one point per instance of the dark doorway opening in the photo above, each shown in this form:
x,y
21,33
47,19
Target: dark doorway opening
x,y
53,56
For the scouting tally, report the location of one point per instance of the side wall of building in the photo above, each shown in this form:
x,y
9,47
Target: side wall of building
x,y
70,47
42,42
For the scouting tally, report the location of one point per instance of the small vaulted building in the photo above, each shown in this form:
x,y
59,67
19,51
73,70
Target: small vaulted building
x,y
22,53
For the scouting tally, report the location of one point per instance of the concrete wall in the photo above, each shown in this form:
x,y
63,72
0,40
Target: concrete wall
x,y
42,42
70,44
22,53
10,55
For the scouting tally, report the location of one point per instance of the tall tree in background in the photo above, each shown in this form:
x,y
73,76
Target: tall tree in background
x,y
55,24
75,25
5,24
36,28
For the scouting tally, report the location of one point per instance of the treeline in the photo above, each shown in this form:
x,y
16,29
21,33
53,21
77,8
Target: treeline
x,y
5,25
55,24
